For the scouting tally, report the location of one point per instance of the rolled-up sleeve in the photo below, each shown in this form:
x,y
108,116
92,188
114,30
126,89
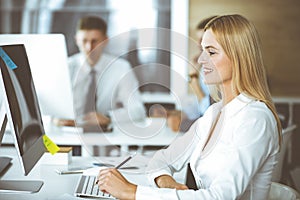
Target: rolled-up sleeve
x,y
175,157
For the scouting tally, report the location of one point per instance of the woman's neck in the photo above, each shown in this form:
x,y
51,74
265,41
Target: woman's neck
x,y
228,94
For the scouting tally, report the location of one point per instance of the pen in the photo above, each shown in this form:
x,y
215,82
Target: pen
x,y
121,164
110,165
102,164
61,172
124,161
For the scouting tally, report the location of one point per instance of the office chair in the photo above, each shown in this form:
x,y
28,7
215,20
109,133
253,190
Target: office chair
x,y
280,191
283,159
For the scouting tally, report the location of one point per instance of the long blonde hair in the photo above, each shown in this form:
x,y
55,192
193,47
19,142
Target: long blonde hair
x,y
239,39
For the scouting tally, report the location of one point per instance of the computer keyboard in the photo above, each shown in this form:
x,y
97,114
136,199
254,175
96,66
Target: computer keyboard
x,y
87,188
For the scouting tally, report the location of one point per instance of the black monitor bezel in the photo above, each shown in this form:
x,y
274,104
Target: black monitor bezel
x,y
32,155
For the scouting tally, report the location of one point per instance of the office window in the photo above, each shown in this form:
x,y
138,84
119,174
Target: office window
x,y
131,24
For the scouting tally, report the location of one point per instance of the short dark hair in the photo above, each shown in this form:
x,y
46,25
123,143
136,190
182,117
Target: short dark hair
x,y
204,21
92,22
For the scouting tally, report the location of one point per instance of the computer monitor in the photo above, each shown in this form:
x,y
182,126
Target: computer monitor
x,y
47,55
22,114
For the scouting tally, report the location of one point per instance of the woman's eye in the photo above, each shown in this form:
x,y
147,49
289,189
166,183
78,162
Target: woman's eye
x,y
211,53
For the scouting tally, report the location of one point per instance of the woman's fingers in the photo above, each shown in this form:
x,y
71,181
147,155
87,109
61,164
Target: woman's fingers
x,y
114,183
110,177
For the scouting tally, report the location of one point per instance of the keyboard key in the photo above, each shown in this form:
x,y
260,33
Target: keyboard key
x,y
90,189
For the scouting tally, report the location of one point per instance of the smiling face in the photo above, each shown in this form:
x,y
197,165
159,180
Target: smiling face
x,y
216,66
89,43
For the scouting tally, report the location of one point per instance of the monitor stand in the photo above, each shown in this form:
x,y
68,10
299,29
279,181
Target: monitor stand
x,y
18,186
5,162
13,186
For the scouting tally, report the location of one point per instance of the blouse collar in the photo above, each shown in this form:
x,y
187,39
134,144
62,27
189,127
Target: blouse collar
x,y
237,104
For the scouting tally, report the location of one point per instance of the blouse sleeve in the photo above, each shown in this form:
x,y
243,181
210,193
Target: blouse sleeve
x,y
175,157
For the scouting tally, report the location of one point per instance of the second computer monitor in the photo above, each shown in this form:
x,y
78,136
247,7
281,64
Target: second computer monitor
x,y
47,55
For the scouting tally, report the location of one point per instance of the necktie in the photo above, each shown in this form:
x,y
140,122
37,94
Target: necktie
x,y
90,103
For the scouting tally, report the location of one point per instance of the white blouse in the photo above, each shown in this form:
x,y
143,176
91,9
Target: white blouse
x,y
237,162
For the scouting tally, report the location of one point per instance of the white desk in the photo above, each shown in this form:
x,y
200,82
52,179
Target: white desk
x,y
56,185
152,132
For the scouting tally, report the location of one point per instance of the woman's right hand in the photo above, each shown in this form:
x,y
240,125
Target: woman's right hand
x,y
166,181
111,181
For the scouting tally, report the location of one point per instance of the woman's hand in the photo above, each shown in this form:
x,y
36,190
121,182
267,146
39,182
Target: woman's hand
x,y
166,181
111,181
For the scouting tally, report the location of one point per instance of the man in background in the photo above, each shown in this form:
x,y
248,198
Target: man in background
x,y
105,87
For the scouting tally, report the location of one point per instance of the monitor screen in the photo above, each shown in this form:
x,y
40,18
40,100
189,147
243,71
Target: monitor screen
x,y
21,105
47,55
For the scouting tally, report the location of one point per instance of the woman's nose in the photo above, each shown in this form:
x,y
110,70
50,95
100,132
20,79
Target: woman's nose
x,y
202,58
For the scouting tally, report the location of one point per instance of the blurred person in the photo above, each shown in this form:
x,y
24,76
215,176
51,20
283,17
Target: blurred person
x,y
197,108
191,111
116,96
232,149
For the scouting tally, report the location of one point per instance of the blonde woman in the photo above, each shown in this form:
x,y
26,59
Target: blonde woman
x,y
231,149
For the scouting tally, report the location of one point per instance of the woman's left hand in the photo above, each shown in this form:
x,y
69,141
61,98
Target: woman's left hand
x,y
113,182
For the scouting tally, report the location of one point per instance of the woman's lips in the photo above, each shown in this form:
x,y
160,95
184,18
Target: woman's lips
x,y
207,70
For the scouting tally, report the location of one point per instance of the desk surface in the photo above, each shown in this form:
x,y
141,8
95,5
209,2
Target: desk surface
x,y
152,132
56,185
